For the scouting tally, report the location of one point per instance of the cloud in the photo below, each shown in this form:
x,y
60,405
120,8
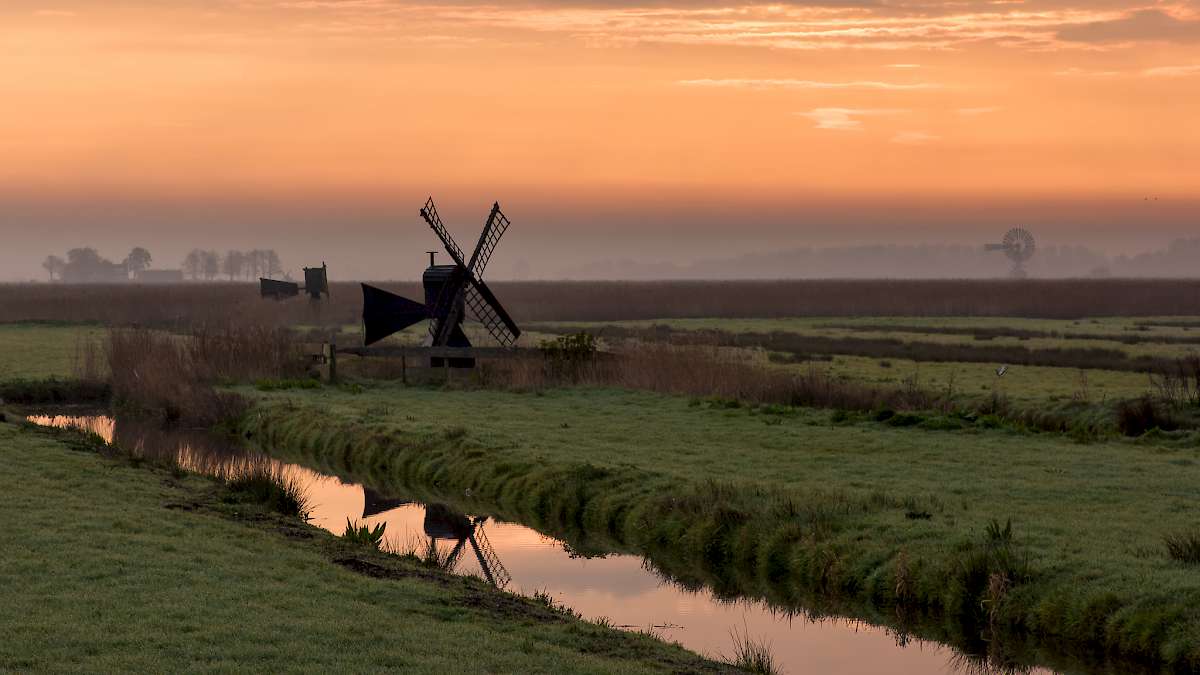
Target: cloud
x,y
1147,25
914,138
903,65
1171,71
982,110
1083,72
844,119
809,84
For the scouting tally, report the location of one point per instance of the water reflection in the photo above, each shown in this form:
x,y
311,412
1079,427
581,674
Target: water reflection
x,y
621,588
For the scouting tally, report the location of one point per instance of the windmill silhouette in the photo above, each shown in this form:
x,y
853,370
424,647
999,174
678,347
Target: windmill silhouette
x,y
450,290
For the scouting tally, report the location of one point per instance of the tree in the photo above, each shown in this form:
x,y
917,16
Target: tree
x,y
212,264
138,260
193,263
54,265
272,261
233,264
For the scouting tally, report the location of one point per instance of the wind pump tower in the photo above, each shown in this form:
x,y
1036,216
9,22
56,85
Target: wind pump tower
x,y
450,290
1018,246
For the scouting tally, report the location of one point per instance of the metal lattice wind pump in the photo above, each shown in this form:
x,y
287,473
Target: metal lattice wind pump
x,y
1018,245
449,291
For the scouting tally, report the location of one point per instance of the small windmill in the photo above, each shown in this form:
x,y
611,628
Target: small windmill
x,y
316,284
449,291
1018,245
443,523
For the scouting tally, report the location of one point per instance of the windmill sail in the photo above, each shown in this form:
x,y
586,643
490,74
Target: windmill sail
x,y
497,225
489,312
386,313
430,214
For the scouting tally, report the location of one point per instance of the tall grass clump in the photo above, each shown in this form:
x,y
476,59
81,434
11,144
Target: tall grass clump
x,y
750,655
1184,546
270,489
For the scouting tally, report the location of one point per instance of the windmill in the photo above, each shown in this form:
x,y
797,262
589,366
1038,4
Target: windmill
x,y
443,523
450,290
1019,246
316,283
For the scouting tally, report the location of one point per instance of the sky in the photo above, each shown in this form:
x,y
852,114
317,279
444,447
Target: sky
x,y
668,130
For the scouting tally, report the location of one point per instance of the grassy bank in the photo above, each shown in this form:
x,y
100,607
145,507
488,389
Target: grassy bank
x,y
908,513
108,567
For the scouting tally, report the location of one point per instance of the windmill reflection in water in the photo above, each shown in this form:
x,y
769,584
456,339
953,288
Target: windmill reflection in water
x,y
441,523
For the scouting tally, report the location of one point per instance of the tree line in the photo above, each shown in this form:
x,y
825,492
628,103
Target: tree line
x,y
85,264
234,265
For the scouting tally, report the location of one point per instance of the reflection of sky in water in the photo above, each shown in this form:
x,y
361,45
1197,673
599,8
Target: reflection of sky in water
x,y
616,587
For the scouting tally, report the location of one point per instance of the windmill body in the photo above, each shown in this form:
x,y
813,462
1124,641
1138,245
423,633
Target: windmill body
x,y
1018,246
450,291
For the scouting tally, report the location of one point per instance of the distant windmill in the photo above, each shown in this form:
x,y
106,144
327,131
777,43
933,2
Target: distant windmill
x,y
316,284
449,291
1018,245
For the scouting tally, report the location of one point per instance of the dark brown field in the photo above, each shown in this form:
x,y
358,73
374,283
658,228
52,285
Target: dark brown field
x,y
187,304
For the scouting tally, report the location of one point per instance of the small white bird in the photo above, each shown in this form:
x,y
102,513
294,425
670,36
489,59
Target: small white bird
x,y
1001,371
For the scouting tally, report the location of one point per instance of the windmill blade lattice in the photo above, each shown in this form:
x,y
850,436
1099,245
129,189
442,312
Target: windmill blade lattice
x,y
497,225
430,214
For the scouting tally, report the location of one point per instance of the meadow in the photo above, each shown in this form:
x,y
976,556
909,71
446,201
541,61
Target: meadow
x,y
112,565
828,446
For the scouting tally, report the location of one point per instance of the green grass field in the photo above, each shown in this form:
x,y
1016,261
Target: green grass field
x,y
799,497
43,350
111,568
1025,385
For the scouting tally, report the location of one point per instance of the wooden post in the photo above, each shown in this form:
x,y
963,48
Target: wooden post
x,y
333,358
446,366
403,367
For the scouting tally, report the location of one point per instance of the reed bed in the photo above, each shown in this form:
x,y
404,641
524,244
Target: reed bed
x,y
174,375
183,305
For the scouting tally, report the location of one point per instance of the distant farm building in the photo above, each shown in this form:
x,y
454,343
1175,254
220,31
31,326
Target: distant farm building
x,y
100,272
160,276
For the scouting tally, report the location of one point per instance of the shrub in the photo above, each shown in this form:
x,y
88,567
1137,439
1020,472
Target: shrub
x,y
1136,417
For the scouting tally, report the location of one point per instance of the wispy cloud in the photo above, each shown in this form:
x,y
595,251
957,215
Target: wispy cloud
x,y
1146,25
914,138
1075,71
845,119
982,110
1171,71
809,84
904,65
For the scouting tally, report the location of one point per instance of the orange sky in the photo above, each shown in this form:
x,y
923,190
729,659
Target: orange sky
x,y
354,101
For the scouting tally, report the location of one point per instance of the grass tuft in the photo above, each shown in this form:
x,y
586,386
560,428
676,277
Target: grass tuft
x,y
272,490
1184,546
750,655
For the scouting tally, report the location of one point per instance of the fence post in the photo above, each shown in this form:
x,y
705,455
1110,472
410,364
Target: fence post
x,y
333,358
404,366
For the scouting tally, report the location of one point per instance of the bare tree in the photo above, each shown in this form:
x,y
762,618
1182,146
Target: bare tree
x,y
54,266
193,263
211,262
274,266
233,264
